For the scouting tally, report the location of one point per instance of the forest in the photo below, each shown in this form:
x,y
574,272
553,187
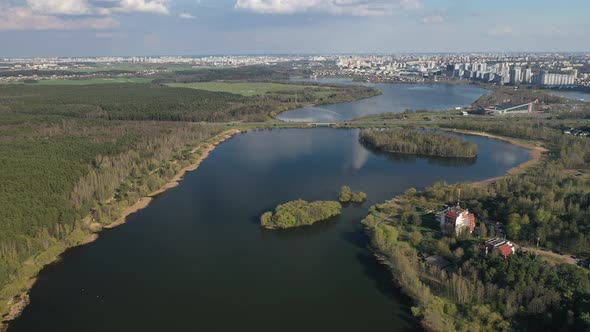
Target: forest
x,y
546,205
64,178
299,213
72,158
154,102
412,141
476,291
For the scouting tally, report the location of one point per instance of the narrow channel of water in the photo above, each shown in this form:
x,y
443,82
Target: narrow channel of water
x,y
196,258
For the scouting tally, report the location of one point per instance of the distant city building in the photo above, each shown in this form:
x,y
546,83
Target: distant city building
x,y
550,79
515,75
527,77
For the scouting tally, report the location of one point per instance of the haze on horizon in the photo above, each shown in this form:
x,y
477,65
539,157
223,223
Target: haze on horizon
x,y
43,28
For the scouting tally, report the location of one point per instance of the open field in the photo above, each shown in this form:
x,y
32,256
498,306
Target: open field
x,y
247,89
93,81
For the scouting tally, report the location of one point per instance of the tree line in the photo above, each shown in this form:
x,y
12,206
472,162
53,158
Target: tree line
x,y
412,141
300,213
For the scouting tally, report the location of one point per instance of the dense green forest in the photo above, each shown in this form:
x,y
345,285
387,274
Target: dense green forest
x,y
549,204
55,171
250,73
299,213
546,205
412,141
135,101
475,292
72,158
348,196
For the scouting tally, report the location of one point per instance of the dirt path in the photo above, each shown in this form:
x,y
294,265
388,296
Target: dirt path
x,y
551,255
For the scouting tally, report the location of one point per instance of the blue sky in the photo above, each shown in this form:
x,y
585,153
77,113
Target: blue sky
x,y
190,27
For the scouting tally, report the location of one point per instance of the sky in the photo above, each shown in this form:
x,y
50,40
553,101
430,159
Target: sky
x,y
46,28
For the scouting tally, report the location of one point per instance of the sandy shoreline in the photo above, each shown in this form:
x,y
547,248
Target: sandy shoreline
x,y
19,302
536,153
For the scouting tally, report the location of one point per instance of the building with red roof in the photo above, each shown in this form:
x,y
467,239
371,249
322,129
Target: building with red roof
x,y
502,246
458,219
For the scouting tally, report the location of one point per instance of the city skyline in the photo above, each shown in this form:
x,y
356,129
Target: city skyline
x,y
51,28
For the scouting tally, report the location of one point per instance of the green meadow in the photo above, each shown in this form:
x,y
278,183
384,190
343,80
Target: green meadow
x,y
247,89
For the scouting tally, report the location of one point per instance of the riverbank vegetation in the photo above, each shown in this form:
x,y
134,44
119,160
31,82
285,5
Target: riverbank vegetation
x,y
348,196
412,141
463,288
300,213
64,179
546,205
73,159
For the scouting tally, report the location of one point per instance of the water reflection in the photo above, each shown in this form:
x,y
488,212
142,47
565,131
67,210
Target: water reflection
x,y
198,248
412,158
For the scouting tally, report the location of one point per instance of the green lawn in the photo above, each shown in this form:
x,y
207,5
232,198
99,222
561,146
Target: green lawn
x,y
243,88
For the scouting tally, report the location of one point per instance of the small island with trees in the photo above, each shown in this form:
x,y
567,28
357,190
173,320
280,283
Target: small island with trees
x,y
411,141
300,213
349,196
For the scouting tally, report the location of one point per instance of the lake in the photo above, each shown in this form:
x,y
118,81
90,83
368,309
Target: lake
x,y
571,94
196,259
396,98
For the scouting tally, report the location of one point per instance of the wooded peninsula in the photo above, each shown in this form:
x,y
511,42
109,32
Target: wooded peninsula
x,y
425,142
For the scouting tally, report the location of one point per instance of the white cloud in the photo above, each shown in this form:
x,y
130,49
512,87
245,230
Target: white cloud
x,y
433,19
505,30
74,14
333,7
21,18
62,7
153,6
98,7
186,16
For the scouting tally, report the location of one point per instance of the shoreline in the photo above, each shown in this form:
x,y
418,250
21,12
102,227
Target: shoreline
x,y
18,303
275,113
536,153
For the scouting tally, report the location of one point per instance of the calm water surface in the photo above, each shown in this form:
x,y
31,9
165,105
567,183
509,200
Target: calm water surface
x,y
197,260
396,98
574,95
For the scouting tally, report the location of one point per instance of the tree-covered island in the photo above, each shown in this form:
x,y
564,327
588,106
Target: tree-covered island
x,y
411,141
349,196
299,213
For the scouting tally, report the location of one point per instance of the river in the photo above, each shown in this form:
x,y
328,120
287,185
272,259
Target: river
x,y
396,98
571,94
196,258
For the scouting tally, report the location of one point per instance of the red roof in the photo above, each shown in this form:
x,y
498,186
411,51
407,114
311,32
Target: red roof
x,y
452,214
505,249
